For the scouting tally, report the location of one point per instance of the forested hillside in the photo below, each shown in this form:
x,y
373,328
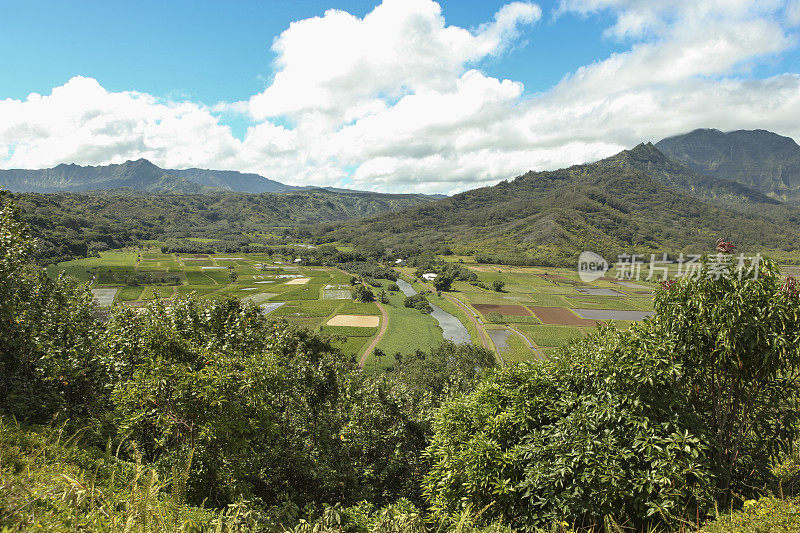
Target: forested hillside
x,y
72,224
621,204
761,160
676,175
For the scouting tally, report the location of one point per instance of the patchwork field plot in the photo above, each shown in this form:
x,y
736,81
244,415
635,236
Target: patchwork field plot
x,y
535,311
508,310
269,307
298,281
560,316
336,292
500,338
104,297
358,321
600,292
630,284
612,314
552,335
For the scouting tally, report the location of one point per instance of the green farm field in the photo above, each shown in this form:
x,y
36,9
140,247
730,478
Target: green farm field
x,y
537,307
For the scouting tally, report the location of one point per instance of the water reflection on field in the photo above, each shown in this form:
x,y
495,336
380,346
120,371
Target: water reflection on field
x,y
452,328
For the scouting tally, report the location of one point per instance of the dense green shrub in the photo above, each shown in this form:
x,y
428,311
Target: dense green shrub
x,y
601,431
737,339
759,516
362,293
418,302
48,363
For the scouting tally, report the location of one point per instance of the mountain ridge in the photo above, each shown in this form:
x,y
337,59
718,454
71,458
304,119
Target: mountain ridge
x,y
549,217
141,175
759,159
647,158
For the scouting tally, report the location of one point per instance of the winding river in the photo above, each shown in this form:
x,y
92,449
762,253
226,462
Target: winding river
x,y
452,328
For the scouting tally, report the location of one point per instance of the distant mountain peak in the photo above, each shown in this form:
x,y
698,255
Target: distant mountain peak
x,y
762,160
648,159
642,151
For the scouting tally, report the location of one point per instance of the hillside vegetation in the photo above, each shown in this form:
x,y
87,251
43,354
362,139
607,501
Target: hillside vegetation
x,y
613,206
72,224
676,175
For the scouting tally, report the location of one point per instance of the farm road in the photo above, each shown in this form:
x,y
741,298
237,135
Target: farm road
x,y
374,343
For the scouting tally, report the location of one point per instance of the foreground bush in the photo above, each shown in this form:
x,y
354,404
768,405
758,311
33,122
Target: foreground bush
x,y
48,367
599,432
647,426
269,411
736,336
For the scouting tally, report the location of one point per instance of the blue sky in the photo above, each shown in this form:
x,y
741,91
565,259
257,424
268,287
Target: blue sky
x,y
220,51
201,54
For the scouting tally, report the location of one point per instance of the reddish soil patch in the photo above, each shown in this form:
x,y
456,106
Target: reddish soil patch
x,y
201,256
552,277
508,310
561,316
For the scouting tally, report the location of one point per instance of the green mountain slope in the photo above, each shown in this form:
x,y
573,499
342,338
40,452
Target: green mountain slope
x,y
230,180
676,175
550,217
140,175
759,159
66,223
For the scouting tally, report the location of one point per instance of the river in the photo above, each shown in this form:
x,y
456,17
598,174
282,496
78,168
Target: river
x,y
452,328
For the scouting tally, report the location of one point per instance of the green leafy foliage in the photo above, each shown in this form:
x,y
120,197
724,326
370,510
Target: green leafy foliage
x,y
737,340
419,302
442,282
598,432
362,293
48,364
764,515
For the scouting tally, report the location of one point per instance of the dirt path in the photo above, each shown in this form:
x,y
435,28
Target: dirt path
x,y
530,344
374,343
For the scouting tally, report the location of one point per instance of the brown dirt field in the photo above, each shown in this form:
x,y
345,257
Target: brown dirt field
x,y
297,281
482,268
561,316
359,321
552,277
508,310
